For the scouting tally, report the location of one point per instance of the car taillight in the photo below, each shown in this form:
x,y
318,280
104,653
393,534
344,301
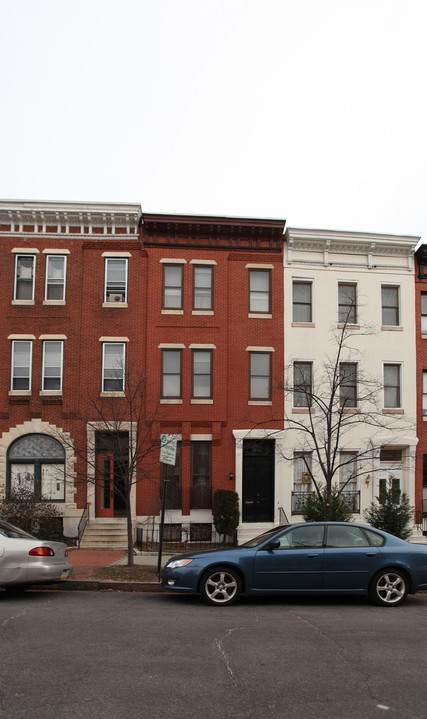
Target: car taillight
x,y
42,552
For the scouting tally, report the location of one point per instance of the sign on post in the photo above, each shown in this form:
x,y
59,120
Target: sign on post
x,y
168,444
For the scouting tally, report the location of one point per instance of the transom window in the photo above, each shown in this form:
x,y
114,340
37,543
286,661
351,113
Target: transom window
x,y
36,463
116,278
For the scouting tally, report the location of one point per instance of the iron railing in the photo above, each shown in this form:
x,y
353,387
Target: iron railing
x,y
299,499
180,537
82,524
283,518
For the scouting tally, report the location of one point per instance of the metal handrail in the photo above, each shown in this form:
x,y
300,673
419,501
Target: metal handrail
x,y
283,519
82,524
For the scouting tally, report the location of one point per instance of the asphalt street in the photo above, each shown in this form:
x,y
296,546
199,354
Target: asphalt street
x,y
151,656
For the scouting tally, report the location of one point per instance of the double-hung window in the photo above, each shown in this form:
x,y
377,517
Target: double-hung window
x,y
202,287
302,302
392,386
260,291
424,313
260,375
347,303
172,286
52,365
25,267
201,475
303,384
21,366
348,480
390,306
171,373
116,280
55,277
113,366
202,374
348,384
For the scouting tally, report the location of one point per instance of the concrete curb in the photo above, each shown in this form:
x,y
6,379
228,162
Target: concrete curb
x,y
89,585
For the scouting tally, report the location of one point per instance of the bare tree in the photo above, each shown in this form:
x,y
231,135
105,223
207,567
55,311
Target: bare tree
x,y
335,405
125,425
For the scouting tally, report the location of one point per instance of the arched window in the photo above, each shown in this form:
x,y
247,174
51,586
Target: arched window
x,y
37,462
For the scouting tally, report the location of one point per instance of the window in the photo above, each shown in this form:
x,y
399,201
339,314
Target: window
x,y
52,365
260,291
202,287
348,384
424,392
392,385
390,305
302,308
171,373
201,484
172,473
260,375
36,462
424,313
347,303
309,537
21,365
346,536
113,366
172,287
348,471
55,277
202,374
303,384
116,274
302,471
389,484
24,277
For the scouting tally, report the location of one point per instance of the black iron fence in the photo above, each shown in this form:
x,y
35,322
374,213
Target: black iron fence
x,y
180,537
299,499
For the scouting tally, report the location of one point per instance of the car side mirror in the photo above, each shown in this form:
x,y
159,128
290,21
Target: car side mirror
x,y
274,544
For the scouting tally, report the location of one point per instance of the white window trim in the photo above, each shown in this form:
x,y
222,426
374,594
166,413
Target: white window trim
x,y
47,392
203,262
55,302
400,408
308,281
21,392
120,392
399,326
16,301
109,256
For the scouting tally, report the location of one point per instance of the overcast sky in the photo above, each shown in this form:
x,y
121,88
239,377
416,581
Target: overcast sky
x,y
314,111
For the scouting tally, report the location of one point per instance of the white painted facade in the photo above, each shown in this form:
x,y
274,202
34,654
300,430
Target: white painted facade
x,y
367,261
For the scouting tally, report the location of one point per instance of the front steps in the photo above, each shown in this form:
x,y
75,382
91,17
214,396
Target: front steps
x,y
105,534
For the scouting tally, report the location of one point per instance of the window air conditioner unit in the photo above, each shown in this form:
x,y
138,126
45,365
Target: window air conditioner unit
x,y
115,298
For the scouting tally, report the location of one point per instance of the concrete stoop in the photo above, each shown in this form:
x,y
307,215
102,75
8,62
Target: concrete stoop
x,y
105,534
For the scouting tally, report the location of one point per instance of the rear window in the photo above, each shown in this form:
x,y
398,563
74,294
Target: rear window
x,y
376,539
9,530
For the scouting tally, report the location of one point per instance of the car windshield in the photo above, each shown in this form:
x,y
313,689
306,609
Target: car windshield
x,y
256,541
9,530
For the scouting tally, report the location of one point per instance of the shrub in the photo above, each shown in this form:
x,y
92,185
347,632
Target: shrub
x,y
226,513
318,509
26,510
392,513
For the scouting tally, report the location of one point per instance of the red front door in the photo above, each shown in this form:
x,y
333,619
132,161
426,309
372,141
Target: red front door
x,y
105,485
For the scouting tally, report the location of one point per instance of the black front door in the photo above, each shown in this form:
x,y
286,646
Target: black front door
x,y
258,480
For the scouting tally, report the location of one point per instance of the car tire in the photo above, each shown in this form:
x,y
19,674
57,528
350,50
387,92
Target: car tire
x,y
16,588
389,588
221,586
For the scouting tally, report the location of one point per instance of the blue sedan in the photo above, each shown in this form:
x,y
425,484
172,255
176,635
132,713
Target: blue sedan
x,y
312,558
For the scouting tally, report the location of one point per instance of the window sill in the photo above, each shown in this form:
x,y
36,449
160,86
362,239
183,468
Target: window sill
x,y
54,302
116,305
350,410
391,328
50,393
303,410
20,393
171,401
202,312
260,403
23,302
393,411
303,324
112,394
172,312
202,401
260,315
341,326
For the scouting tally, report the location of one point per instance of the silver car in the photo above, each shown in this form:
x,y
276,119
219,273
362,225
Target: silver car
x,y
26,560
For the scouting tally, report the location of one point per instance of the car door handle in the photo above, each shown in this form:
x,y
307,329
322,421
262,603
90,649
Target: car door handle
x,y
371,554
312,555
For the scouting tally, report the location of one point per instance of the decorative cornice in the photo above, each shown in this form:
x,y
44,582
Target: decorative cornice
x,y
355,243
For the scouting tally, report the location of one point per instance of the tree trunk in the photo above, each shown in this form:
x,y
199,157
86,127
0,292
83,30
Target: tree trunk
x,y
129,530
